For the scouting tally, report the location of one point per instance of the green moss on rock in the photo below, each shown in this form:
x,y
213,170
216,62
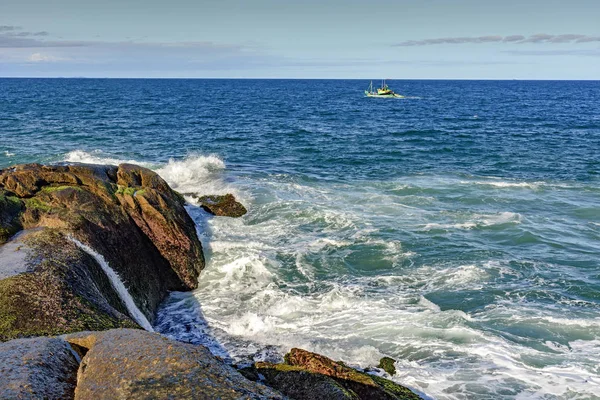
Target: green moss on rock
x,y
42,305
50,189
298,383
60,295
387,364
10,211
36,203
355,383
126,190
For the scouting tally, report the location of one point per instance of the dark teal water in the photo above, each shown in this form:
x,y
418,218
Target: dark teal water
x,y
456,230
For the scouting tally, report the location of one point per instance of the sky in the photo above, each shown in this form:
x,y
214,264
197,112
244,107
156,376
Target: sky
x,y
393,39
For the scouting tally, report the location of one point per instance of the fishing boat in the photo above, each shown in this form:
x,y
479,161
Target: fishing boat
x,y
384,91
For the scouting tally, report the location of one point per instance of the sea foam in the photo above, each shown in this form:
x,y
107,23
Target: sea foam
x,y
315,266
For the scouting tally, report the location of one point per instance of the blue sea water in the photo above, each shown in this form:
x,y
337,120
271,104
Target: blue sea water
x,y
456,230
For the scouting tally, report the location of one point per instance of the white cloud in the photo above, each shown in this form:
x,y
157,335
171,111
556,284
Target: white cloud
x,y
518,39
40,58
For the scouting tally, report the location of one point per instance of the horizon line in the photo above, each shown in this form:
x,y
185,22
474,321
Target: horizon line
x,y
297,78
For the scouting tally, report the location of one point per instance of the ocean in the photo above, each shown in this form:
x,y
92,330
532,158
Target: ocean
x,y
456,230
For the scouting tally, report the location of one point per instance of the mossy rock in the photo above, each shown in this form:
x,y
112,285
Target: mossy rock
x,y
66,291
50,189
126,190
387,364
297,383
222,206
11,208
126,214
306,375
41,305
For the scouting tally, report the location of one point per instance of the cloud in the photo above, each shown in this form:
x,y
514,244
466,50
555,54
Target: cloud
x,y
9,28
589,53
13,37
518,39
38,50
513,38
40,57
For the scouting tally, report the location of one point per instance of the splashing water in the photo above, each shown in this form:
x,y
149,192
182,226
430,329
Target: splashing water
x,y
309,267
117,284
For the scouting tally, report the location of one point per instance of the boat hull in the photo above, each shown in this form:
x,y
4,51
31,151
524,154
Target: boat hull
x,y
384,96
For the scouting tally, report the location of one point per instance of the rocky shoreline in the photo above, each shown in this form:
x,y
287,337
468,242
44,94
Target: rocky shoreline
x,y
87,254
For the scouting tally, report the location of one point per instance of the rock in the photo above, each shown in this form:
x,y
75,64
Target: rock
x,y
14,256
127,214
297,383
40,368
319,364
222,206
387,364
137,364
67,292
355,383
10,208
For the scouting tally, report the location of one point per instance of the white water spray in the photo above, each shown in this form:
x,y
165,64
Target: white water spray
x,y
118,285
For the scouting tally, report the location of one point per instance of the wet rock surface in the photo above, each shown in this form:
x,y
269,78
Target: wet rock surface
x,y
40,368
222,205
65,291
135,364
306,375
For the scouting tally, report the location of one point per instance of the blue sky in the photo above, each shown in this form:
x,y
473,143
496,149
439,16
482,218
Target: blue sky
x,y
410,39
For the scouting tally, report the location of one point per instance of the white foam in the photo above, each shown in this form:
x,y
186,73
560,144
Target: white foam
x,y
505,184
282,277
80,156
250,306
478,220
436,226
117,284
8,153
195,174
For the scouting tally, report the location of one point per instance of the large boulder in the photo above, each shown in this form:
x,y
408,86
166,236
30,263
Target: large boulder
x,y
77,216
306,375
40,368
135,364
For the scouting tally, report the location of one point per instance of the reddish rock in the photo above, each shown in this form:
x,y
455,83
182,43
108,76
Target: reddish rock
x,y
222,205
359,384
